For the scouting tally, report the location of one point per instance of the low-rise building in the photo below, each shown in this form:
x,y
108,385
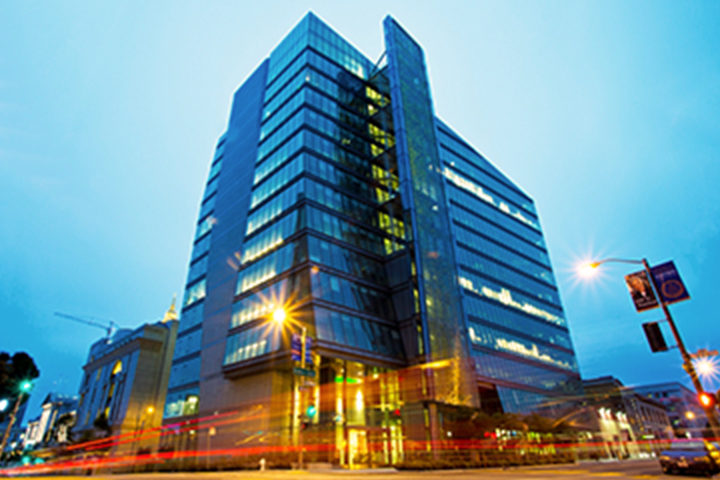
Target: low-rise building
x,y
58,413
686,416
125,380
630,424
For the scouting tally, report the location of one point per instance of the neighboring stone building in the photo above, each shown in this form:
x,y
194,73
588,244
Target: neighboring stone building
x,y
50,427
123,388
625,416
686,416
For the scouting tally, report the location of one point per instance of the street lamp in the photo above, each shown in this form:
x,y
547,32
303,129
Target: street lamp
x,y
279,316
24,388
142,414
687,359
706,367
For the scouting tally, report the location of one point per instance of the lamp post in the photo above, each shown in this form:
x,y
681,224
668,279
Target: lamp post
x,y
142,414
25,387
687,359
279,316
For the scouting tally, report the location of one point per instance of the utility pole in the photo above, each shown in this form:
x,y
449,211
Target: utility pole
x,y
687,359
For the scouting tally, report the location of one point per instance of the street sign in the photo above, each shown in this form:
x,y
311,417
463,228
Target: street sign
x,y
641,292
704,353
304,372
296,348
670,287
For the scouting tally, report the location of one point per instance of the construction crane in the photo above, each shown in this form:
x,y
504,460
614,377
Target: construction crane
x,y
107,327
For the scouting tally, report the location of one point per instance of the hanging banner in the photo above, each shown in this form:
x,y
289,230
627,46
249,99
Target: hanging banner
x,y
641,291
670,287
296,348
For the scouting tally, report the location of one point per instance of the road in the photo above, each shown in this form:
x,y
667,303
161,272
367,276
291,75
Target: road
x,y
629,469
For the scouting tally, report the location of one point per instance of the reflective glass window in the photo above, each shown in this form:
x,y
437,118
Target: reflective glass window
x,y
476,190
252,343
515,345
201,247
360,333
276,181
469,228
344,292
197,269
497,189
191,317
491,365
511,298
499,314
211,187
184,402
342,230
495,215
273,236
343,259
204,226
194,293
188,344
184,372
271,265
207,206
296,287
532,277
276,207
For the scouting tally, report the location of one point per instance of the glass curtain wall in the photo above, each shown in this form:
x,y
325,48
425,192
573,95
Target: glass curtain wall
x,y
516,324
320,230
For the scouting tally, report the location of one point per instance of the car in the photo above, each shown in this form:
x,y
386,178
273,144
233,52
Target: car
x,y
691,456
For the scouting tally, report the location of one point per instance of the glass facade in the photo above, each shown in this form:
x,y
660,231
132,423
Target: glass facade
x,y
339,204
516,324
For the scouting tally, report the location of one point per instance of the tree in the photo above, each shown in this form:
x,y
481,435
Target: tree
x,y
14,370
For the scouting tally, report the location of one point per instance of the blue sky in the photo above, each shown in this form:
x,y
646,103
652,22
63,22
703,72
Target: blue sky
x,y
606,113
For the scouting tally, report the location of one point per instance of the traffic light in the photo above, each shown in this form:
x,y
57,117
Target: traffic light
x,y
311,411
655,337
707,400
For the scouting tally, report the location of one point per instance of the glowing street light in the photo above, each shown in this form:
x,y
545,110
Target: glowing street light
x,y
279,315
4,404
706,367
687,359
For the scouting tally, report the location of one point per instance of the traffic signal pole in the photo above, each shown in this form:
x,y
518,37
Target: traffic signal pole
x,y
11,422
303,352
687,361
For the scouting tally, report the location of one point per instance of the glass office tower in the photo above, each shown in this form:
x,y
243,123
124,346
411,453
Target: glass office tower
x,y
340,210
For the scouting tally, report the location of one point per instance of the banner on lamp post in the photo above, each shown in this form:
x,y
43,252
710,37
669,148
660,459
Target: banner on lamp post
x,y
670,287
641,291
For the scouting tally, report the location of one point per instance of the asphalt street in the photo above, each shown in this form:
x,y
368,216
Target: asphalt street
x,y
629,469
